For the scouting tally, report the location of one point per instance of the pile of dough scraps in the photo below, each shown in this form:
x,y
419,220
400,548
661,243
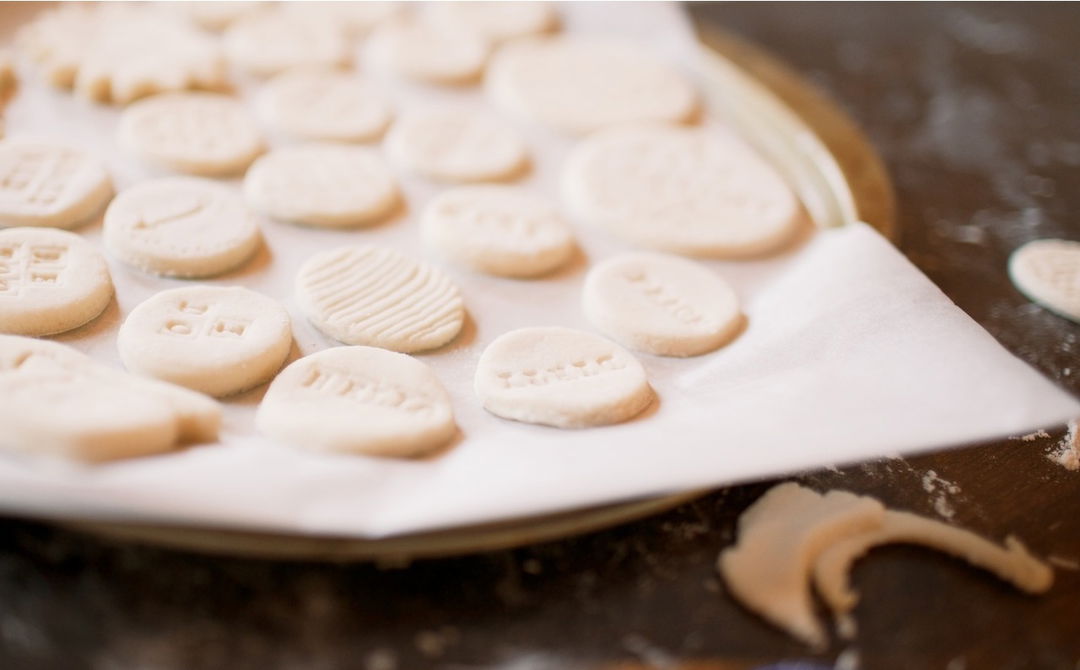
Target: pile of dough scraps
x,y
793,535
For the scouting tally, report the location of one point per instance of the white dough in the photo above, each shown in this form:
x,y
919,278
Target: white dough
x,y
325,105
495,21
501,230
322,185
266,43
358,18
375,296
180,227
560,377
425,53
457,145
45,184
359,400
60,402
1047,272
661,304
212,339
51,281
688,191
580,85
197,133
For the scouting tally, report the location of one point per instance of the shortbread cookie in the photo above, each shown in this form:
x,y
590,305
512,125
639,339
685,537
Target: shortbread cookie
x,y
561,377
356,18
212,339
661,304
495,21
500,230
273,41
359,400
579,85
60,402
687,191
375,296
325,105
1047,272
457,145
51,281
422,52
322,185
45,184
197,133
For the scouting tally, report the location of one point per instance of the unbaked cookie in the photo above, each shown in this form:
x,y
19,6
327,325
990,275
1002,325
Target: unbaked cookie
x,y
1048,273
495,21
423,52
266,43
457,145
325,105
45,184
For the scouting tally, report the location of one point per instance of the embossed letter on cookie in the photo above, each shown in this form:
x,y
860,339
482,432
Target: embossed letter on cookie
x,y
49,185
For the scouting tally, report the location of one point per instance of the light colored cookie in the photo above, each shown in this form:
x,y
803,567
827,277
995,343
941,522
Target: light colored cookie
x,y
580,85
325,105
661,304
357,18
359,400
457,145
322,185
1047,272
266,43
561,377
212,339
422,52
51,281
60,402
500,230
375,296
46,184
687,191
495,21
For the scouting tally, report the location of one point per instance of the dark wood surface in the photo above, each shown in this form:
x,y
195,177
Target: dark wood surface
x,y
976,110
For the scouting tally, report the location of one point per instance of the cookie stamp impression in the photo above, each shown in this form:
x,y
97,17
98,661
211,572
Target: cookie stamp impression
x,y
1048,273
45,184
457,145
326,106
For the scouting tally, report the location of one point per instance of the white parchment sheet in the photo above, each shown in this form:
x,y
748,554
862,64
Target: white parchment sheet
x,y
850,353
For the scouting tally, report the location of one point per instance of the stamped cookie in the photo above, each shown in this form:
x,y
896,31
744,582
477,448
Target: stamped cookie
x,y
269,42
422,52
495,21
560,377
375,296
457,145
45,184
325,105
359,400
1047,272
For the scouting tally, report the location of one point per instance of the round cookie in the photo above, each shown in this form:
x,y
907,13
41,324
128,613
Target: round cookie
x,y
51,281
266,43
495,21
359,400
688,191
560,377
325,105
1047,272
457,145
180,227
661,304
212,339
45,184
375,296
500,230
424,53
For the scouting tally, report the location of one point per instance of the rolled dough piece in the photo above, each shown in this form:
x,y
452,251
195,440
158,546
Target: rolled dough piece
x,y
424,53
360,400
500,230
212,339
375,296
51,281
1047,272
495,21
44,184
269,42
180,227
560,377
457,145
686,191
661,304
325,105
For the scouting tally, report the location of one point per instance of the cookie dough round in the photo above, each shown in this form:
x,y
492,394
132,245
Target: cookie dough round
x,y
51,281
689,191
561,377
325,105
424,53
359,400
322,185
661,304
495,21
45,184
181,227
580,85
500,230
212,339
1047,272
197,133
266,43
375,296
457,145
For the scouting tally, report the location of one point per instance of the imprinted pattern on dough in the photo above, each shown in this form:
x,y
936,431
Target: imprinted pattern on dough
x,y
24,264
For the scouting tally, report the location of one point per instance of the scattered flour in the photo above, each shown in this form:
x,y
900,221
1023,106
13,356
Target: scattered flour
x,y
1031,437
1063,562
1067,452
941,489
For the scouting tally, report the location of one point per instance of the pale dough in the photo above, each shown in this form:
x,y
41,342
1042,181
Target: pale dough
x,y
60,402
1047,272
421,52
360,400
376,296
181,227
457,145
322,185
500,230
495,21
687,191
661,304
560,377
51,281
358,18
581,85
45,184
325,105
269,42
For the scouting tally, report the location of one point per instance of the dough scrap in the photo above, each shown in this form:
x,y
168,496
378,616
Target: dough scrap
x,y
45,184
457,145
1047,272
269,42
495,21
424,53
325,105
